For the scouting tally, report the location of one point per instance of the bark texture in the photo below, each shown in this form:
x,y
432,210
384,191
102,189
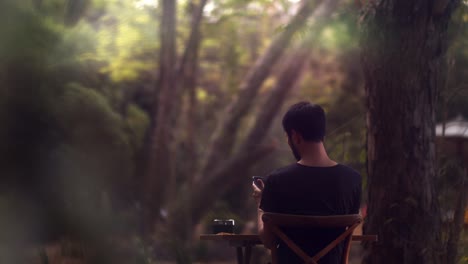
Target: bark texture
x,y
403,52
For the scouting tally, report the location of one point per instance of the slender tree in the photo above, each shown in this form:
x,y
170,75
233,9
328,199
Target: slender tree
x,y
159,170
188,71
403,53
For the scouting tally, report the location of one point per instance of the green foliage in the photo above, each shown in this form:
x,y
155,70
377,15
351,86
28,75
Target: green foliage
x,y
31,39
453,99
337,36
449,177
86,114
67,152
464,247
137,122
125,41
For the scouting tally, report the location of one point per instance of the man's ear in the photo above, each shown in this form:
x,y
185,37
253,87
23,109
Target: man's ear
x,y
296,137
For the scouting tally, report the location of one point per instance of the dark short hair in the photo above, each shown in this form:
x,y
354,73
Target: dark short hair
x,y
307,119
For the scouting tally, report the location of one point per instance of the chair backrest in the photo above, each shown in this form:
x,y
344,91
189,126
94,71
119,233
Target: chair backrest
x,y
275,222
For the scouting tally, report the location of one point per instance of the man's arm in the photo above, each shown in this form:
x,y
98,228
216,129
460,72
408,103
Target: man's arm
x,y
265,234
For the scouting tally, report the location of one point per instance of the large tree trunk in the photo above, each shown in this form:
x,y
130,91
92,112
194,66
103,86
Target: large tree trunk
x,y
404,43
159,171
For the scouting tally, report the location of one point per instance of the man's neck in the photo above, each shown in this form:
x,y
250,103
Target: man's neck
x,y
315,155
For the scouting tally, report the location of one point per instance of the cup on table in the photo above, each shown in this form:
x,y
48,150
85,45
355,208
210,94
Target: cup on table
x,y
223,226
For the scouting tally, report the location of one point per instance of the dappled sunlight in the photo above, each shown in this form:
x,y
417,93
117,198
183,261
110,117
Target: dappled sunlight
x,y
128,126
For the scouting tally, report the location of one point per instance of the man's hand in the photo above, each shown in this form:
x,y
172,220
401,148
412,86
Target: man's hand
x,y
266,236
257,192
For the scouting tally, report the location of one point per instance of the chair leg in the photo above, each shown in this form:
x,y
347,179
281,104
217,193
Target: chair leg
x,y
240,255
274,255
247,254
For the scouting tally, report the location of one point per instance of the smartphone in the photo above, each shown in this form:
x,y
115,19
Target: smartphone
x,y
255,178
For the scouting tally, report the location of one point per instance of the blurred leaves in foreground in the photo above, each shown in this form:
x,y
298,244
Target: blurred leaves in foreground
x,y
78,93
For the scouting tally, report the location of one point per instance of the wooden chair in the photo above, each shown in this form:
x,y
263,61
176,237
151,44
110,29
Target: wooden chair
x,y
275,222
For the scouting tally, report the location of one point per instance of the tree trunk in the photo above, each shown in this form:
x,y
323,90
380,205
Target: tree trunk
x,y
403,48
187,72
188,65
159,173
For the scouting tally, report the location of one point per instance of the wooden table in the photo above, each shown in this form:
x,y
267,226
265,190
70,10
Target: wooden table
x,y
244,243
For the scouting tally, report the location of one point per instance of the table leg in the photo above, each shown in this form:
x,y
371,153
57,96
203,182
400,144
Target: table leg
x,y
248,254
240,255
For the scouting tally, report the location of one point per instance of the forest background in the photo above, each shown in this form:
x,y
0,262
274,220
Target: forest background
x,y
129,125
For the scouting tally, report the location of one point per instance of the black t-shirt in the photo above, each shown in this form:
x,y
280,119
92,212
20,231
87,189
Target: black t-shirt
x,y
321,191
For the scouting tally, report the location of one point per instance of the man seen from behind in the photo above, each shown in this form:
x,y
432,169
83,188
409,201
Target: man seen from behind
x,y
314,185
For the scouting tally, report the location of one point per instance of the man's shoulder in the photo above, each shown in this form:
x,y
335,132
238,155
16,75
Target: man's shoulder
x,y
348,169
349,172
279,172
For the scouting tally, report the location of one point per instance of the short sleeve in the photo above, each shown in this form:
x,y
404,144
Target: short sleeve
x,y
267,203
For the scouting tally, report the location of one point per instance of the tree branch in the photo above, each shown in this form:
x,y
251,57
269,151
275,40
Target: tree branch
x,y
224,136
